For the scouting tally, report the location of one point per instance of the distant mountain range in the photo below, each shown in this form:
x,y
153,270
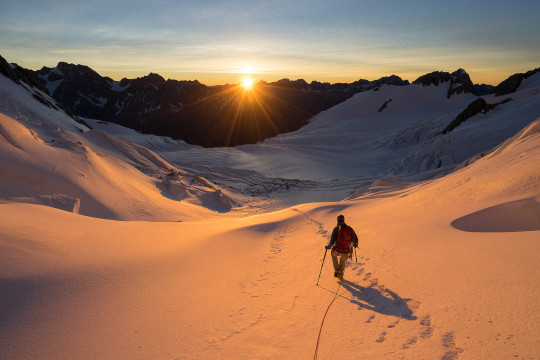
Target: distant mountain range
x,y
223,115
191,111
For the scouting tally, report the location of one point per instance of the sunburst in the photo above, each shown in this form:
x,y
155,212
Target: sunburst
x,y
247,83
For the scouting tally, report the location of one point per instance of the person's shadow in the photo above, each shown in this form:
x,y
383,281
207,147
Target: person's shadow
x,y
384,302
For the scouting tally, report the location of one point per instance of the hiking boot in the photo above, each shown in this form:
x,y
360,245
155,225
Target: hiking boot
x,y
336,274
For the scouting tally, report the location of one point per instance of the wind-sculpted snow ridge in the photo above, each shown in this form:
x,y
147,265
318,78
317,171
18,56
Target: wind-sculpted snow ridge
x,y
45,163
58,201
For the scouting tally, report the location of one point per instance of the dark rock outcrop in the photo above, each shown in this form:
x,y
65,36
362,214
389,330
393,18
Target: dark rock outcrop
x,y
385,105
511,84
78,86
460,82
38,90
476,107
19,74
391,80
299,84
433,78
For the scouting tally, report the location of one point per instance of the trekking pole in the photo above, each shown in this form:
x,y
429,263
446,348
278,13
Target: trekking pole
x,y
322,266
355,254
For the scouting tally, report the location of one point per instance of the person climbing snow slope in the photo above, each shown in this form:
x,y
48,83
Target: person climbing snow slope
x,y
341,242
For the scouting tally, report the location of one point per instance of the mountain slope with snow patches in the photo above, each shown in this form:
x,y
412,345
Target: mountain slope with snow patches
x,y
43,158
395,132
405,135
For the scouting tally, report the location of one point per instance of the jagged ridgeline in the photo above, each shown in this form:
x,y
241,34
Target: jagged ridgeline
x,y
23,76
191,111
223,115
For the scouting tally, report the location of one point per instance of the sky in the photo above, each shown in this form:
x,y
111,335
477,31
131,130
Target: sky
x,y
217,42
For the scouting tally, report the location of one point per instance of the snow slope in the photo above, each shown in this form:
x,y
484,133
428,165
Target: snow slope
x,y
95,173
431,280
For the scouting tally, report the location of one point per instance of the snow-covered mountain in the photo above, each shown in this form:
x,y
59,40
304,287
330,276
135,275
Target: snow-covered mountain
x,y
50,157
400,132
189,110
445,268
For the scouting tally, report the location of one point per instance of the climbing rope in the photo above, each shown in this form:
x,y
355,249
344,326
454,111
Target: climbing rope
x,y
322,322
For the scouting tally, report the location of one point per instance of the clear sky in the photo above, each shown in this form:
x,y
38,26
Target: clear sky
x,y
326,40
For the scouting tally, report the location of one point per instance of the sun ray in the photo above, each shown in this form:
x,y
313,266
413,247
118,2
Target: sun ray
x,y
250,110
235,119
266,112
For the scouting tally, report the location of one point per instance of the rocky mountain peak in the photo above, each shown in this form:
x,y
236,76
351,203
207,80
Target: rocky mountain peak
x,y
460,82
291,84
433,78
511,84
19,74
61,80
78,86
75,71
153,78
392,80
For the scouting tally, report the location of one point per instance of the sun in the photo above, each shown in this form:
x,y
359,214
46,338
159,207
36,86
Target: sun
x,y
247,83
